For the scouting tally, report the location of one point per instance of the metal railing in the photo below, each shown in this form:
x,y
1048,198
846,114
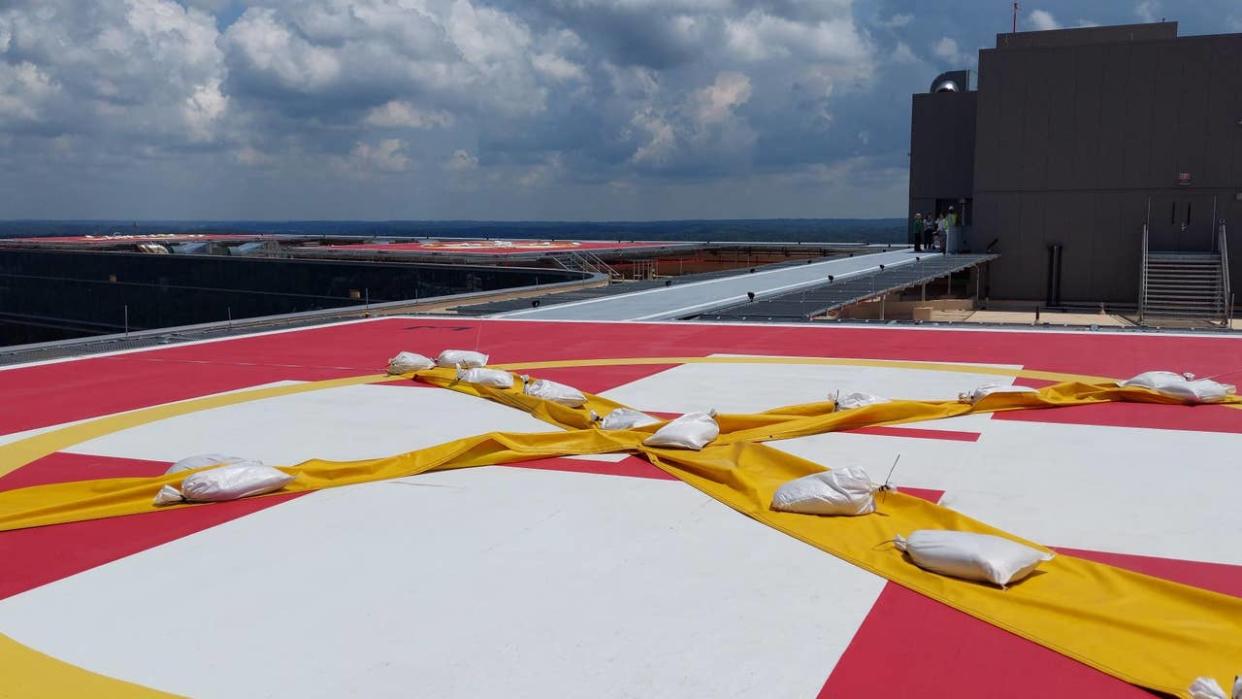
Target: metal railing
x,y
1226,293
1142,299
585,261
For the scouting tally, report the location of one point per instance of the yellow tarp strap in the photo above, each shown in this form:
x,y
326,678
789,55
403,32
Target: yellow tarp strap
x,y
1151,632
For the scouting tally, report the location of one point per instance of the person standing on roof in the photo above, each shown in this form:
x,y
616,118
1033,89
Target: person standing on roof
x,y
916,232
951,231
930,233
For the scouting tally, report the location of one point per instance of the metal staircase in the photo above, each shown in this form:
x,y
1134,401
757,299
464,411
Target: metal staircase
x,y
1193,286
585,261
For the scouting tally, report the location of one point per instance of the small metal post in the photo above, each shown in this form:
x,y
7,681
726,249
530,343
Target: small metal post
x,y
126,320
367,293
229,310
924,291
883,300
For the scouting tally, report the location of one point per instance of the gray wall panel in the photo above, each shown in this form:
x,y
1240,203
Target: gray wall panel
x,y
1074,137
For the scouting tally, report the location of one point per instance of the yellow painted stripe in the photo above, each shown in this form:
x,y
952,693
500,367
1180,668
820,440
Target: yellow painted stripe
x,y
29,674
21,452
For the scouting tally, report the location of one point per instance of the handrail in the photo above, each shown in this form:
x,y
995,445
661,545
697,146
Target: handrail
x,y
1142,301
1227,300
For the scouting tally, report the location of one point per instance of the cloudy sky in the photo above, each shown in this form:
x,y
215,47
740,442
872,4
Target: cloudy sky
x,y
486,109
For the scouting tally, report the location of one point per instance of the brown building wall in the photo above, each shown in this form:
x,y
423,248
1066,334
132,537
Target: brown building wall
x,y
1073,139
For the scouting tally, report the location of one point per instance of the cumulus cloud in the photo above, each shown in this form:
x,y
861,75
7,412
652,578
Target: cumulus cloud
x,y
24,89
1147,10
387,155
399,114
1042,20
716,102
304,95
462,161
946,48
85,68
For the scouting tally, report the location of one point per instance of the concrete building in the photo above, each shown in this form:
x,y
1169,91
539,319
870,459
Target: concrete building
x,y
1079,138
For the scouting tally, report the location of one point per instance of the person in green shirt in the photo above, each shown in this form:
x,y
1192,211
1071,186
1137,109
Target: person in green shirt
x,y
917,227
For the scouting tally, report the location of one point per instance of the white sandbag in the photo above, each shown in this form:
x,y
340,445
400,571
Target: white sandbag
x,y
168,495
1156,380
486,377
1182,386
978,394
1207,688
226,483
626,419
971,556
190,463
858,400
690,431
841,491
555,392
461,358
405,362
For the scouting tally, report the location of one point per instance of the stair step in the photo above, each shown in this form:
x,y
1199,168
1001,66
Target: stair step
x,y
1182,308
1183,256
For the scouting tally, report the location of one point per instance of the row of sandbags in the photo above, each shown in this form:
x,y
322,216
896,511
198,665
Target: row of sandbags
x,y
849,492
1184,387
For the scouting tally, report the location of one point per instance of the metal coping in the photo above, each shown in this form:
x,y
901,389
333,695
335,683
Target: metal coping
x,y
618,289
804,304
17,354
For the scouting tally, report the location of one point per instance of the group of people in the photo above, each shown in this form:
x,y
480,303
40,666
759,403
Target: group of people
x,y
934,234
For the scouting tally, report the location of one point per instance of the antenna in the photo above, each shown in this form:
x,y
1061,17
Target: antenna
x,y
1015,16
894,468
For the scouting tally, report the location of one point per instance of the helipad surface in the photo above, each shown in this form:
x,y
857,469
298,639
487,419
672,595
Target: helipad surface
x,y
493,246
594,576
113,238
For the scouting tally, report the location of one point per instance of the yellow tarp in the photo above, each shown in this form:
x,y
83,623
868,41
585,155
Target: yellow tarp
x,y
1148,631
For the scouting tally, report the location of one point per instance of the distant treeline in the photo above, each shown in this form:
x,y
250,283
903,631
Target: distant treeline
x,y
882,230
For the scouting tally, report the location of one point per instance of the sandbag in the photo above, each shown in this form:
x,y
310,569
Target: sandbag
x,y
405,362
190,463
555,392
690,431
486,377
626,419
978,394
841,491
1182,386
1207,688
858,400
450,358
225,483
971,556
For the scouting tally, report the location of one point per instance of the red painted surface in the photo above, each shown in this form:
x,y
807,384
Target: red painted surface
x,y
139,238
912,646
920,637
499,247
1218,577
104,385
38,556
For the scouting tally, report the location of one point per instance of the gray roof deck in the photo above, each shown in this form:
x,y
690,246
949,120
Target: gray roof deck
x,y
683,300
806,303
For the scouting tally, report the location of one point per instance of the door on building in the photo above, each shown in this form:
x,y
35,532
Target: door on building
x,y
1182,223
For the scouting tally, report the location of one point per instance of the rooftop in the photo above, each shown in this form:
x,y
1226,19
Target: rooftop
x,y
588,575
